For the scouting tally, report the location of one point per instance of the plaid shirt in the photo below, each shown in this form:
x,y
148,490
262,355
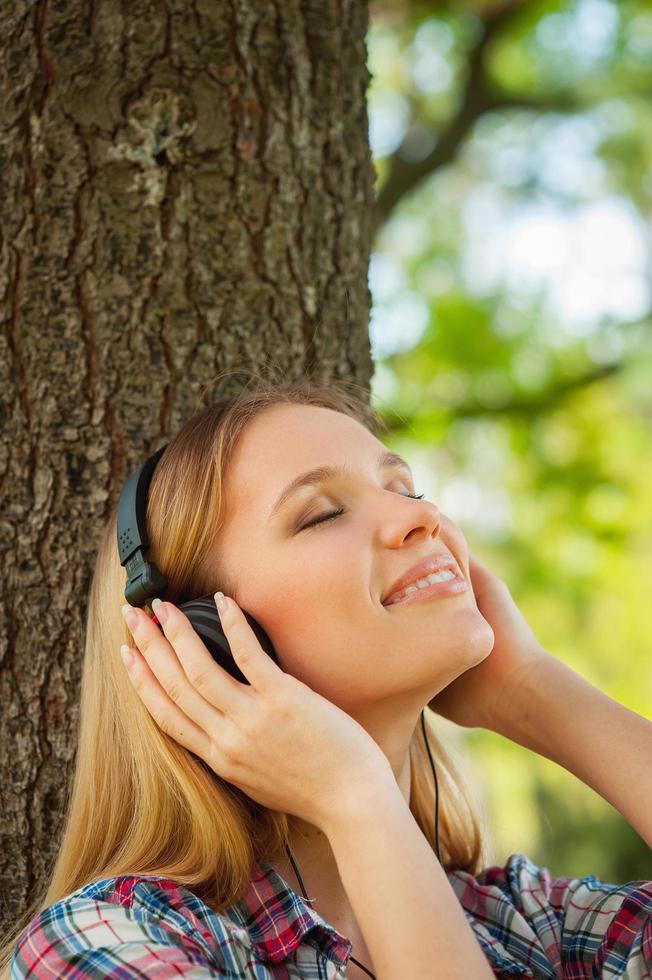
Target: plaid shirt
x,y
528,923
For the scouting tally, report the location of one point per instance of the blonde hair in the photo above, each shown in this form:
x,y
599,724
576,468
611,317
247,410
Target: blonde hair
x,y
140,802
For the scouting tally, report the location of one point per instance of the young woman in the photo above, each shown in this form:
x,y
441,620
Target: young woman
x,y
285,827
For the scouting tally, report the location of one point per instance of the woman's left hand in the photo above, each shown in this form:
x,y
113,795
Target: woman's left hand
x,y
491,694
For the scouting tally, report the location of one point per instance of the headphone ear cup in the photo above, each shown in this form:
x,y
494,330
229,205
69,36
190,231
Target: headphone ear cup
x,y
205,620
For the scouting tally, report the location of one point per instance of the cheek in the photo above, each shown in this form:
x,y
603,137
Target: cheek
x,y
317,646
454,538
293,625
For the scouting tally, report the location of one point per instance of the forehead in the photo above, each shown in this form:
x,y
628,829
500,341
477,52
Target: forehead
x,y
283,441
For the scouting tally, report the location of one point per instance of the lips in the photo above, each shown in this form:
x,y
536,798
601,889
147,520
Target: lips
x,y
433,563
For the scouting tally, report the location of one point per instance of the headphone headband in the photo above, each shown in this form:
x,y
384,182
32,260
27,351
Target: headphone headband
x,y
144,580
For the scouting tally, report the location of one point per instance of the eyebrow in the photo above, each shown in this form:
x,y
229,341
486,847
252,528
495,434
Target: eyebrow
x,y
323,473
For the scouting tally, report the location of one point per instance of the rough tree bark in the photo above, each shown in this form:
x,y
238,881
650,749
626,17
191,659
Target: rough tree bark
x,y
186,186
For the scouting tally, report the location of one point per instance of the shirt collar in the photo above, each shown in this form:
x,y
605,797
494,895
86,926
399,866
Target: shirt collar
x,y
278,920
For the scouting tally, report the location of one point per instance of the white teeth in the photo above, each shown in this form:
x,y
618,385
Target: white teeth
x,y
441,576
421,583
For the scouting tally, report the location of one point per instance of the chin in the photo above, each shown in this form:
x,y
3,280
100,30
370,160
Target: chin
x,y
476,637
483,639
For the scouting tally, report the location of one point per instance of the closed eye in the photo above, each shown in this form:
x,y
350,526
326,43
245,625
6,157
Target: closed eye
x,y
336,513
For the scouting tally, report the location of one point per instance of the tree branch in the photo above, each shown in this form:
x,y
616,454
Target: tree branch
x,y
479,96
523,406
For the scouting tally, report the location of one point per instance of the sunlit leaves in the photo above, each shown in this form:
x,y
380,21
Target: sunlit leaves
x,y
513,329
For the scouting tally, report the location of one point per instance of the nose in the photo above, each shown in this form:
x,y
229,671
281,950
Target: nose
x,y
412,519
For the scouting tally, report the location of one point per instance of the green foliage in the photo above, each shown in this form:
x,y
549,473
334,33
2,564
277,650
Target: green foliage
x,y
534,426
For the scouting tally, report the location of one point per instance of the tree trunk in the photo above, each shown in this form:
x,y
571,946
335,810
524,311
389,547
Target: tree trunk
x,y
187,187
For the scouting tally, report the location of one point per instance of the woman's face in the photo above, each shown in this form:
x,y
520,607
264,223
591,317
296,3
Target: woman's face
x,y
317,591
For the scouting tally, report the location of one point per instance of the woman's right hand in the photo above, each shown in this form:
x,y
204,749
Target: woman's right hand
x,y
276,739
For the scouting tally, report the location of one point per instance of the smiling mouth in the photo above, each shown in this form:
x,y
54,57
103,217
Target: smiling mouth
x,y
436,585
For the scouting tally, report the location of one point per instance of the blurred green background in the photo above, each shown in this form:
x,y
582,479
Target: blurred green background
x,y
512,338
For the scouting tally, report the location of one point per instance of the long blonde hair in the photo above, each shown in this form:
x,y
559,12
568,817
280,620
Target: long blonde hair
x,y
140,802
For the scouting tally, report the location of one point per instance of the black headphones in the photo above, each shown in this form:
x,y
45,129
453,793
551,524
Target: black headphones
x,y
145,582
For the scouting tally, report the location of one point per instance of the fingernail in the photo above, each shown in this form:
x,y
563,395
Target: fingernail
x,y
130,616
220,602
159,611
127,655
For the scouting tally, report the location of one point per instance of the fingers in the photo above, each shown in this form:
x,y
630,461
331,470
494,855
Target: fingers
x,y
167,715
483,579
180,667
480,573
476,565
189,695
259,668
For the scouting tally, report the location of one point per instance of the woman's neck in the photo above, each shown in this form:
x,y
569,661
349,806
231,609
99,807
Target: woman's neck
x,y
317,865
